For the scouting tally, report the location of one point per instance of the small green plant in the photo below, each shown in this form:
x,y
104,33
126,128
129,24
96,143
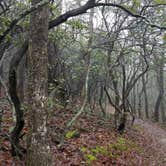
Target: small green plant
x,y
92,154
99,150
90,158
83,149
113,150
120,145
72,134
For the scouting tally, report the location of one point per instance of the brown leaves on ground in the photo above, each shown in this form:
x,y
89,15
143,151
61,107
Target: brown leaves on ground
x,y
97,144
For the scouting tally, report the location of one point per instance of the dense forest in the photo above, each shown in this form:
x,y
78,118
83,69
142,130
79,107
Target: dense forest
x,y
82,82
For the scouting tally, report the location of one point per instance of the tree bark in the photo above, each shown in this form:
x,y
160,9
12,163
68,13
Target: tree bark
x,y
144,88
37,142
100,100
163,116
139,108
134,99
160,82
15,134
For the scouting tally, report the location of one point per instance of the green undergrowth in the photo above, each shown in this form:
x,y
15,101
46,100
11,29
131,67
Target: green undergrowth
x,y
111,150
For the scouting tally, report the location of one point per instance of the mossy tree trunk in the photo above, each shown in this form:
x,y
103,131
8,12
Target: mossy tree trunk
x,y
37,143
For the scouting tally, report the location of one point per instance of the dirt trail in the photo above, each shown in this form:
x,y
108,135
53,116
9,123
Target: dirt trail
x,y
157,139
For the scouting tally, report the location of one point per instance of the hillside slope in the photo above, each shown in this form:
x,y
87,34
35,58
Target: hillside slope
x,y
93,141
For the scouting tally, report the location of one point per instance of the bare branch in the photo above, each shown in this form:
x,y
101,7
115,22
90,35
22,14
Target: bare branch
x,y
147,21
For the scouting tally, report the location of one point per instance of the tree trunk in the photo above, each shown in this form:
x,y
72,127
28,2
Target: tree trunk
x,y
139,107
15,134
21,78
37,142
100,101
157,106
144,88
134,99
163,116
159,100
139,92
123,119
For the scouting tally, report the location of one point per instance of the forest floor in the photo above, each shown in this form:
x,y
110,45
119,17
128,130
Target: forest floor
x,y
93,141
